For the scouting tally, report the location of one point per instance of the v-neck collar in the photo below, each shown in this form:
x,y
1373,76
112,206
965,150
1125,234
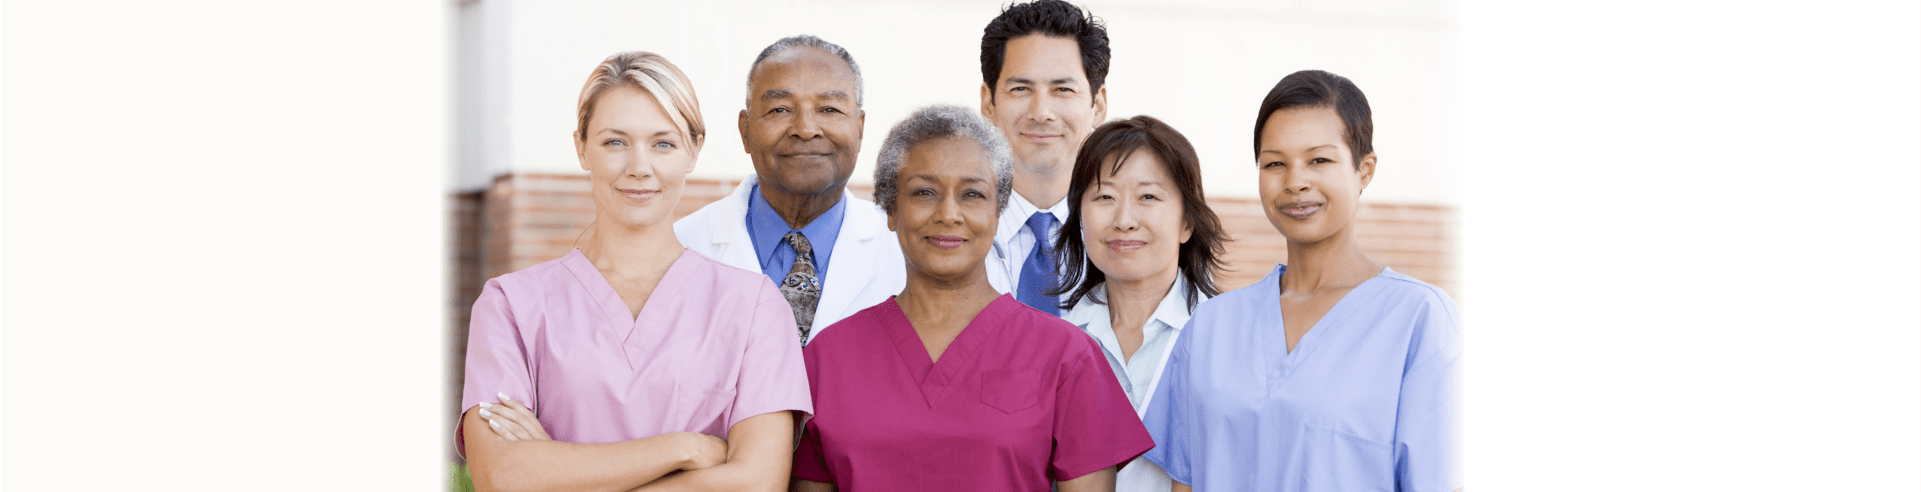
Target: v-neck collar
x,y
933,377
1286,362
613,308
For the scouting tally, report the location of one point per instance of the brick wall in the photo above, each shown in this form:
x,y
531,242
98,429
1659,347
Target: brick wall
x,y
526,219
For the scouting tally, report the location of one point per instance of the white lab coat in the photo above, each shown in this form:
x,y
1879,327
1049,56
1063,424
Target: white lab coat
x,y
866,267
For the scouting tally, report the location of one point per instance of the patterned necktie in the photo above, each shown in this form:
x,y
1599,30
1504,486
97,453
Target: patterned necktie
x,y
802,285
1037,273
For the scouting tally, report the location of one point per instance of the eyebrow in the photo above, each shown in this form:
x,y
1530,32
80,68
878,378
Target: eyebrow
x,y
1027,81
775,94
1309,149
623,133
835,95
1111,183
936,179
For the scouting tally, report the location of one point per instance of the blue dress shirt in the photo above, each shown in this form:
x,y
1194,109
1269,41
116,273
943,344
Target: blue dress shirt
x,y
765,228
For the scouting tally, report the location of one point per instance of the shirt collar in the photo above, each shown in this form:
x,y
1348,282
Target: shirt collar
x,y
768,229
1172,311
1019,209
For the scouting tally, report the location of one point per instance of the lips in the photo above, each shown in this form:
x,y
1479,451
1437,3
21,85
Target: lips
x,y
638,195
947,242
1125,246
1300,210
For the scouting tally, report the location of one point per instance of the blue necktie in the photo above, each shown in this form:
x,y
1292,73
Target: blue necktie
x,y
1037,273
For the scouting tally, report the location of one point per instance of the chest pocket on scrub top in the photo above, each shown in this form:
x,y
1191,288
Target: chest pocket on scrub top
x,y
1012,390
1335,460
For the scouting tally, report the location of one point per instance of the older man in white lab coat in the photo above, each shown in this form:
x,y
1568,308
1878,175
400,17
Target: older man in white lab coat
x,y
829,252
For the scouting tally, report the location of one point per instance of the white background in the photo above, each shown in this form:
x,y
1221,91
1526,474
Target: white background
x,y
1692,244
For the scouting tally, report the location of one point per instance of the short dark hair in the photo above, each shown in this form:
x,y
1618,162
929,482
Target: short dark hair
x,y
1200,256
1319,89
1054,18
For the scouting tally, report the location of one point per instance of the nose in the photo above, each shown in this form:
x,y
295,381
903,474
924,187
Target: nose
x,y
1042,111
805,126
947,212
1294,181
638,166
1127,216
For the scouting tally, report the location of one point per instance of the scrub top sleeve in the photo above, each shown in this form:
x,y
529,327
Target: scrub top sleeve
x,y
810,463
1427,432
773,377
496,357
1095,425
1168,416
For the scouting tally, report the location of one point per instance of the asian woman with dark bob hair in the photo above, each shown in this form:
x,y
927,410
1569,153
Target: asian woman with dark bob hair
x,y
1332,372
1139,248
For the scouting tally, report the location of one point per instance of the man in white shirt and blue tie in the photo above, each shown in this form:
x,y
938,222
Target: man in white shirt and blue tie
x,y
1043,66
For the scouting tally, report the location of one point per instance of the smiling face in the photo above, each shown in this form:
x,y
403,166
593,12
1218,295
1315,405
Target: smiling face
x,y
1132,222
801,127
945,212
1310,185
1042,104
636,158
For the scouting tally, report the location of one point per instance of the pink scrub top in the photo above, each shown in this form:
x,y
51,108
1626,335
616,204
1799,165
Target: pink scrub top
x,y
1020,399
712,346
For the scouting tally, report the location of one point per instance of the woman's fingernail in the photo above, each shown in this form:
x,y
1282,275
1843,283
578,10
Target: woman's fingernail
x,y
503,397
486,414
493,423
484,405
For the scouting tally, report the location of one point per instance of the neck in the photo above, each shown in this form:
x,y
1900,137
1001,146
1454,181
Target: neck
x,y
1336,262
619,251
1043,189
801,209
934,299
1131,303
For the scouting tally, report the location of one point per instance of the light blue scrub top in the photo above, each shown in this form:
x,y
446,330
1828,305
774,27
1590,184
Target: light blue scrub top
x,y
1368,400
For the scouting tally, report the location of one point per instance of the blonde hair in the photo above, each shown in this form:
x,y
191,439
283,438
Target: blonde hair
x,y
654,74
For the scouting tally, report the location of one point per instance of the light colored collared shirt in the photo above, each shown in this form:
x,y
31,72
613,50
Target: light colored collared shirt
x,y
1138,375
1013,241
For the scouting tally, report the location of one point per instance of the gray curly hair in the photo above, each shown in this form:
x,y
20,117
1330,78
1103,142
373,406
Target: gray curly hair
x,y
939,121
860,86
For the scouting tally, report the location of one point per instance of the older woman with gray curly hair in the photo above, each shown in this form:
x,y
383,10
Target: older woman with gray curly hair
x,y
951,385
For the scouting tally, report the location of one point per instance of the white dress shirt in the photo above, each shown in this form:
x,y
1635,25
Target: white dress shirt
x,y
1013,241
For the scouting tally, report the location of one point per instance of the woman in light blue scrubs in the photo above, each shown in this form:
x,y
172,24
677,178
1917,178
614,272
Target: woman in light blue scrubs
x,y
1333,373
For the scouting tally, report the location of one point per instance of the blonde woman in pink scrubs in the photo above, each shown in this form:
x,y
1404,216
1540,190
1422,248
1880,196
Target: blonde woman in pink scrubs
x,y
633,363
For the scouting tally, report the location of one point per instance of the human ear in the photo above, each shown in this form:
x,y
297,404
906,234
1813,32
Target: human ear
x,y
987,101
1366,170
743,132
693,151
580,150
1100,106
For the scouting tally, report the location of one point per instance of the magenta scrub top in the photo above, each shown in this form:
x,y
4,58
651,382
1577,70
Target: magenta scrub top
x,y
1020,399
712,346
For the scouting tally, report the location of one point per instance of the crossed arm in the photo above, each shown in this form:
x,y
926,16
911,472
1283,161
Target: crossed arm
x,y
519,456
